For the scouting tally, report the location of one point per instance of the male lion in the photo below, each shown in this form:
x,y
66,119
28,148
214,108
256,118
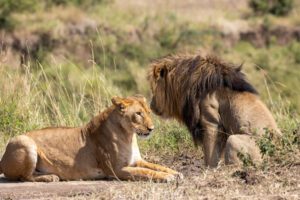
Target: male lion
x,y
219,107
105,147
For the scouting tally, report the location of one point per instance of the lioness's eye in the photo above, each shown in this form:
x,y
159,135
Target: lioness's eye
x,y
139,113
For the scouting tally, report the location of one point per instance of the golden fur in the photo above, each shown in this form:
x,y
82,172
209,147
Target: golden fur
x,y
105,147
214,100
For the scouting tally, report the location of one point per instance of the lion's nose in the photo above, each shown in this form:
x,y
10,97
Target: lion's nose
x,y
150,128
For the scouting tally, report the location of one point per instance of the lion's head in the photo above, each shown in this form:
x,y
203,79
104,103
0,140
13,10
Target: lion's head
x,y
170,84
159,82
134,114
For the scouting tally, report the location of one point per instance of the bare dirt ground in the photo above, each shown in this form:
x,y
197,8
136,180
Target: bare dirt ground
x,y
199,183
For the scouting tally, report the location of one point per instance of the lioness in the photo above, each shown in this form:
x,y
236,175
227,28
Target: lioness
x,y
213,99
105,147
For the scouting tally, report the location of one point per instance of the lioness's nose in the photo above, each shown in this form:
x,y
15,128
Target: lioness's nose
x,y
150,128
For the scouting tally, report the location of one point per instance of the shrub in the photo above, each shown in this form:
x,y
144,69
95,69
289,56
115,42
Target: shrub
x,y
259,6
266,145
246,159
75,2
275,7
7,7
281,7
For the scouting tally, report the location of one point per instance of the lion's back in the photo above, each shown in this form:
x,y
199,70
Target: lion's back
x,y
245,112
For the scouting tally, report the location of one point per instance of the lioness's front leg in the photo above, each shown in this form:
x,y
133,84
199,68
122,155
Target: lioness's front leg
x,y
156,167
42,178
139,173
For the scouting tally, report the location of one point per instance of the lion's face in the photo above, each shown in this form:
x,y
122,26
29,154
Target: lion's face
x,y
134,114
157,78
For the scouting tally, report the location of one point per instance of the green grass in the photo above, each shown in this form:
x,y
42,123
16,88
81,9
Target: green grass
x,y
277,68
168,137
59,95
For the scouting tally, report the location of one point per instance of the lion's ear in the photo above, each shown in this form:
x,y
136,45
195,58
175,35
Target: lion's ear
x,y
162,72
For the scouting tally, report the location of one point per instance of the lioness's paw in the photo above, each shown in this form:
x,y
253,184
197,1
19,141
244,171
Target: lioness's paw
x,y
179,176
53,178
174,177
170,178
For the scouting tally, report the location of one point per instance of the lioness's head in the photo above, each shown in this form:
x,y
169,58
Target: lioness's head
x,y
134,114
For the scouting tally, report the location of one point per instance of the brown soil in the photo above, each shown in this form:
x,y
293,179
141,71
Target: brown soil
x,y
199,183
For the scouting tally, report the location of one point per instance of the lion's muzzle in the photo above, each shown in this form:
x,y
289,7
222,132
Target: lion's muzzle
x,y
154,108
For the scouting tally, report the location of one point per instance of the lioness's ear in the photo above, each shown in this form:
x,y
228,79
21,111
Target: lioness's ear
x,y
118,101
141,97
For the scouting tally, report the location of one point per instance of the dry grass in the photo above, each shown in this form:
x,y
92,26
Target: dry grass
x,y
222,183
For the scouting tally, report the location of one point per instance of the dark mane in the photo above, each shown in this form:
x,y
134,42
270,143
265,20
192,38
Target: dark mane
x,y
208,74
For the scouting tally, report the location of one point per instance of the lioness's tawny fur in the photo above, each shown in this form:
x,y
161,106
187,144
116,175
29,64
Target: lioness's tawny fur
x,y
105,147
221,109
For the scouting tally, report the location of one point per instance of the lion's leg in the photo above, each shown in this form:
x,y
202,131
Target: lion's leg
x,y
156,167
20,158
139,173
213,145
243,145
